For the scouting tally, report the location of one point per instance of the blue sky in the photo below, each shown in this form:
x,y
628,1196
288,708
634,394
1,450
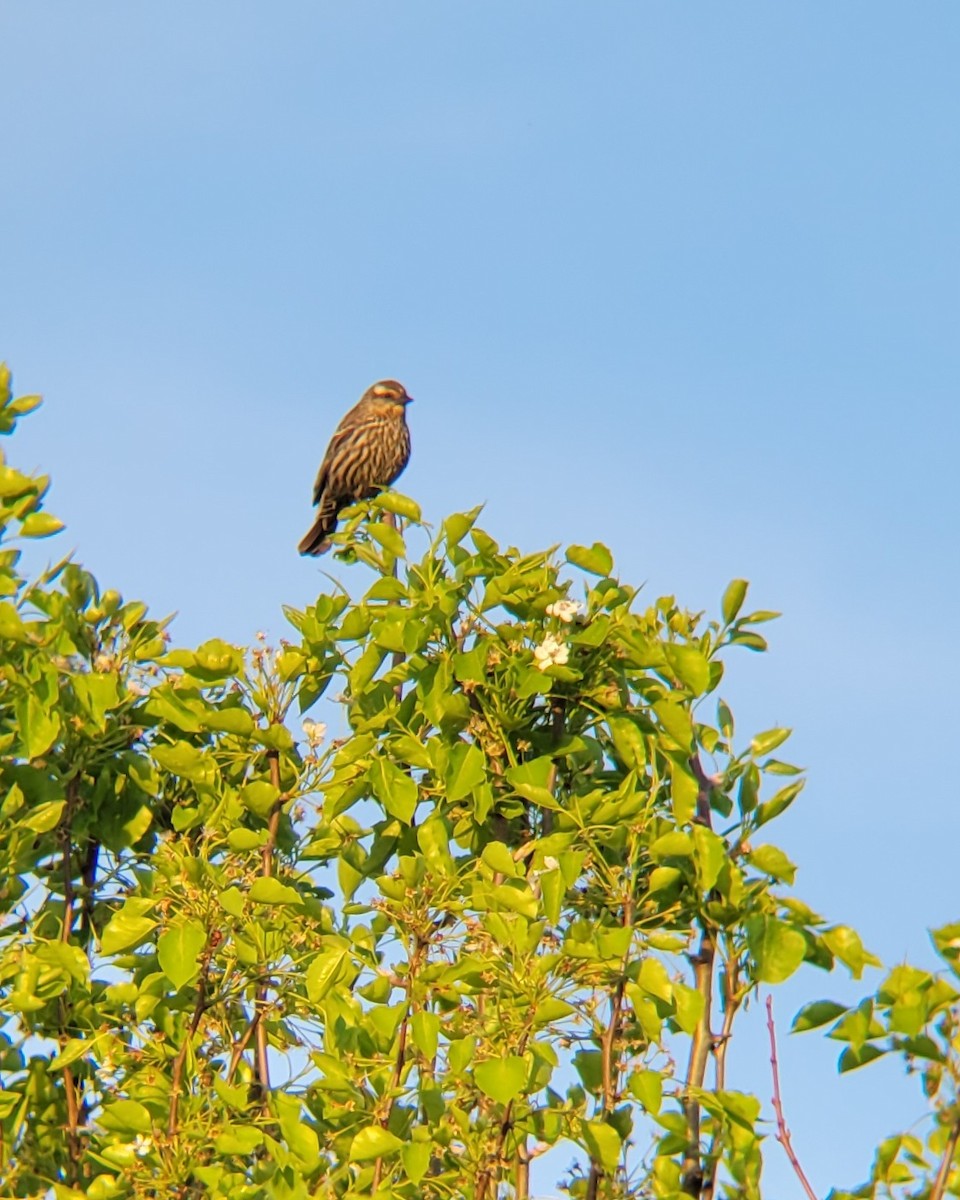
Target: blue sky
x,y
683,278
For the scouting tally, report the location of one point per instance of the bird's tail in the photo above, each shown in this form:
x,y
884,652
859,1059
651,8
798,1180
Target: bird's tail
x,y
317,539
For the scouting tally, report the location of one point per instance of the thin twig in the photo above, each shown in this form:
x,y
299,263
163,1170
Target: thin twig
x,y
390,519
415,960
946,1163
74,1149
199,1009
731,1005
241,1044
258,1028
703,961
610,1077
783,1133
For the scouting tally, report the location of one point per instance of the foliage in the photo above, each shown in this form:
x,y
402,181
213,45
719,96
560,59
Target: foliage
x,y
511,909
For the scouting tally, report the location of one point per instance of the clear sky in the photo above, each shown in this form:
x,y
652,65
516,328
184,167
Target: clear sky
x,y
681,277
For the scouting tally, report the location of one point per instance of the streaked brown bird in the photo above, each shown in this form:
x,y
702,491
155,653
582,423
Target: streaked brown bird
x,y
370,448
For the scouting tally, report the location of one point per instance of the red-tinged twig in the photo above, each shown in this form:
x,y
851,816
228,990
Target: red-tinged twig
x,y
241,1044
946,1163
783,1133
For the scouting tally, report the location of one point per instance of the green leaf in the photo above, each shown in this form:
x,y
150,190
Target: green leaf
x,y
44,817
327,971
597,559
647,1087
690,666
374,1142
688,1004
502,1079
710,855
37,727
763,743
126,1116
178,950
127,927
675,719
40,525
415,1157
187,761
12,627
98,694
628,742
271,891
425,1029
499,859
820,1012
466,770
218,659
259,797
603,1144
388,537
396,502
530,780
858,1056
434,841
778,949
684,791
772,861
845,943
654,980
733,599
395,790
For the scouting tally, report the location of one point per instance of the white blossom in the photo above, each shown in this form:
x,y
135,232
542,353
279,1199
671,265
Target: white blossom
x,y
142,1145
564,610
314,732
551,652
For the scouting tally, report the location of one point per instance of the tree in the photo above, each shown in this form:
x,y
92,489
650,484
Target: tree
x,y
521,903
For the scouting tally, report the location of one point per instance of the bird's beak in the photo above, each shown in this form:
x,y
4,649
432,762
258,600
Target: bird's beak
x,y
408,400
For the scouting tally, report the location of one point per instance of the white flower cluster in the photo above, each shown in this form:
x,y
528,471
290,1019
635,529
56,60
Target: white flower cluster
x,y
551,652
564,610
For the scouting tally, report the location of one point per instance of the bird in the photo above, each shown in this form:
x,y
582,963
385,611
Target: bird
x,y
368,451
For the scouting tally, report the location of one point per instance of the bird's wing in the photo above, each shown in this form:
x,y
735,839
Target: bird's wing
x,y
352,429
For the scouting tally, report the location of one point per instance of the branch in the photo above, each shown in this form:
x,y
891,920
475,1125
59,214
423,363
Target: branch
x,y
74,1149
943,1171
609,1078
692,1179
176,1081
731,1005
261,1066
418,947
390,519
783,1133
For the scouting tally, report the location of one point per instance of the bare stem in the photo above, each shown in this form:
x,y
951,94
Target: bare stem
x,y
946,1162
261,1058
700,1045
609,1072
731,1005
783,1133
176,1082
390,519
74,1149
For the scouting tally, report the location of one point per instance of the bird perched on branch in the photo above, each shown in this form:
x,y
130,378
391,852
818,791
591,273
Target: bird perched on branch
x,y
370,448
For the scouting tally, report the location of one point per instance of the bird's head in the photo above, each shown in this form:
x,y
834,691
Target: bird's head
x,y
387,395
